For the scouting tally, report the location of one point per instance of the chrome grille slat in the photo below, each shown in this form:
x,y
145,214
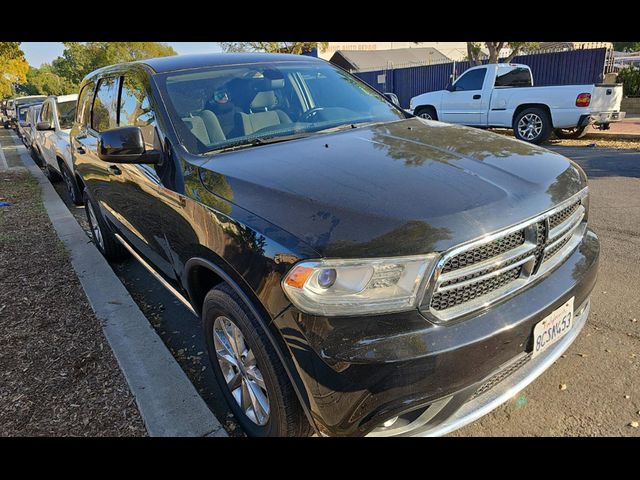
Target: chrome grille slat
x,y
487,276
487,266
571,222
475,275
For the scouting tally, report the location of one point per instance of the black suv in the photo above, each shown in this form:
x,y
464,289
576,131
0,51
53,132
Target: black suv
x,y
357,270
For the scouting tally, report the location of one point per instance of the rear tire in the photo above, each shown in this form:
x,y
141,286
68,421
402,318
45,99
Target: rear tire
x,y
428,113
254,380
576,132
532,125
101,233
50,173
72,187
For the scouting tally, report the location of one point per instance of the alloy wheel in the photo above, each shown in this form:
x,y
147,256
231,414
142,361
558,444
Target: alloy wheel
x,y
530,126
95,227
426,116
240,370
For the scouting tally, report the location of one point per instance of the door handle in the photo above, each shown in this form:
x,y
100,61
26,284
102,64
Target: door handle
x,y
477,97
115,170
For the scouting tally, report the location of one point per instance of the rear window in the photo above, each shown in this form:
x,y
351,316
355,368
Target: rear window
x,y
515,77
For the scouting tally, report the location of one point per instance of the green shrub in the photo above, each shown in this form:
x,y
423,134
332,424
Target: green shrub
x,y
630,77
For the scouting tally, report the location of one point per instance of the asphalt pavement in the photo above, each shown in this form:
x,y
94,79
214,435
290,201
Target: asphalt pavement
x,y
592,390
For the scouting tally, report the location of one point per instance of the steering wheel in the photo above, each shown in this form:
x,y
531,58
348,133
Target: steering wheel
x,y
309,115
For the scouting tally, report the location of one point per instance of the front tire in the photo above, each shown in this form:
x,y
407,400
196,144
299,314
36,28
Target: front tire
x,y
248,370
576,132
532,125
428,113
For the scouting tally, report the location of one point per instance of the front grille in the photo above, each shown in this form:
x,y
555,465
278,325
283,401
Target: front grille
x,y
491,249
475,276
501,375
456,296
555,248
557,218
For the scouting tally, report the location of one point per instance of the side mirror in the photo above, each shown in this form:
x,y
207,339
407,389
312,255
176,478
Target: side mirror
x,y
451,88
393,98
125,145
43,126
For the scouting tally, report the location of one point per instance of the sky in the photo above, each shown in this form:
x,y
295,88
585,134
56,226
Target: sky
x,y
38,53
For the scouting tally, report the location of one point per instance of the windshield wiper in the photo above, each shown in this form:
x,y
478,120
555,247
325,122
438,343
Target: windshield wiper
x,y
254,142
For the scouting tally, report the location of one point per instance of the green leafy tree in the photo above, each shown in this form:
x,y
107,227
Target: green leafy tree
x,y
78,59
43,81
630,79
494,48
13,67
274,47
626,46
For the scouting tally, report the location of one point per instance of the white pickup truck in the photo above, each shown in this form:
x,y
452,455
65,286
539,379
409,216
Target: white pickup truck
x,y
503,96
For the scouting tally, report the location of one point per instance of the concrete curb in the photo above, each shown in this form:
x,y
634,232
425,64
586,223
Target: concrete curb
x,y
167,400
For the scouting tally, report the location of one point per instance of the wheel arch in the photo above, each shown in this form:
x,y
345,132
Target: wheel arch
x,y
524,106
202,274
427,105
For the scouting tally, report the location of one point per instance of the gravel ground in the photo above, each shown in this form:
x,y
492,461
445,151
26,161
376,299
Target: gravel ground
x,y
591,140
59,376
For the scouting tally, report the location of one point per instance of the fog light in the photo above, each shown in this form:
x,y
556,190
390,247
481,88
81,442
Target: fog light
x,y
327,277
390,422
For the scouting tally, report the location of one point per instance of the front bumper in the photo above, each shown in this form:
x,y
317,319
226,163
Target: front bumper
x,y
360,372
515,381
599,118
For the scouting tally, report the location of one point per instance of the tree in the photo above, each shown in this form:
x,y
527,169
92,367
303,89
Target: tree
x,y
13,67
43,81
274,47
626,46
494,48
78,59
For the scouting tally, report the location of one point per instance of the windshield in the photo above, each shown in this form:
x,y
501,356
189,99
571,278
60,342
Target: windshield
x,y
233,106
66,114
22,112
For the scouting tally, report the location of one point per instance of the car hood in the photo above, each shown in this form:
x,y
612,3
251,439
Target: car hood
x,y
400,188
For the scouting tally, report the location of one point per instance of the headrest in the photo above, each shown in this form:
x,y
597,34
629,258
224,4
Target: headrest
x,y
264,100
265,84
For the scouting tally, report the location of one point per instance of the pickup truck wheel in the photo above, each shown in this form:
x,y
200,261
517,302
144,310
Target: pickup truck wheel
x,y
248,370
72,187
101,233
532,125
576,132
428,113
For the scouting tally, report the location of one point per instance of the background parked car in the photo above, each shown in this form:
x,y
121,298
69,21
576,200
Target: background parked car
x,y
22,123
14,104
29,129
503,95
52,141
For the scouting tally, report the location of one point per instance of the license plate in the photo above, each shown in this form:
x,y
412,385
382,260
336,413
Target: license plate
x,y
555,326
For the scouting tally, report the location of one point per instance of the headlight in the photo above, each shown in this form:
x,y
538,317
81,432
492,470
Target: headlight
x,y
358,286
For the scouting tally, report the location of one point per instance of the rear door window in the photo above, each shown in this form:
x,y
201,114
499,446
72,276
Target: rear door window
x,y
514,77
472,80
104,105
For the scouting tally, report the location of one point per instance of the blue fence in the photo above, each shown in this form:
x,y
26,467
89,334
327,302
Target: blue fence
x,y
572,67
